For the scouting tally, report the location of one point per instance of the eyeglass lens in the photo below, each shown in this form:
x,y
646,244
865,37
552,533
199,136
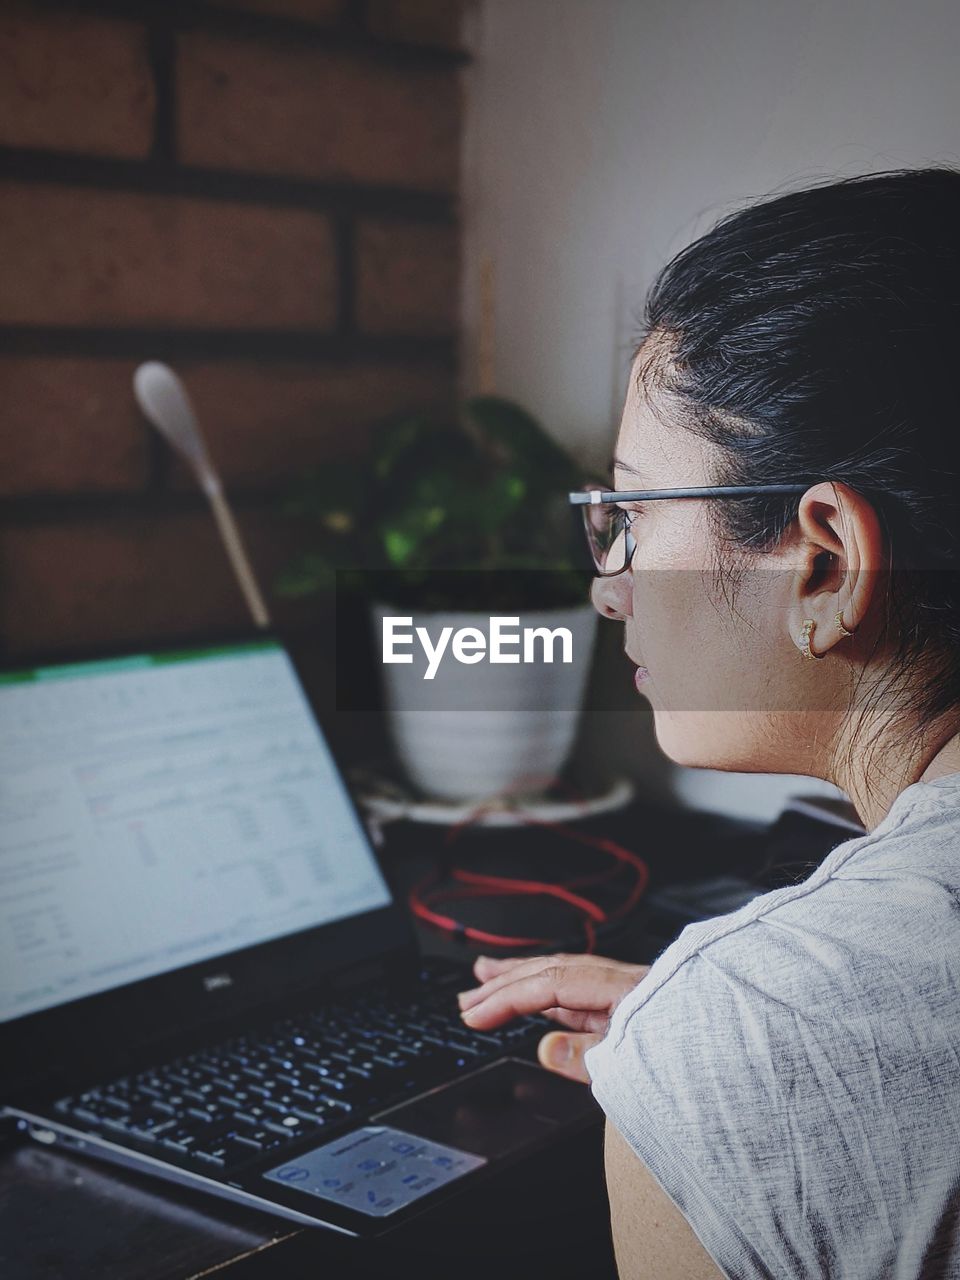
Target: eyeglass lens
x,y
606,529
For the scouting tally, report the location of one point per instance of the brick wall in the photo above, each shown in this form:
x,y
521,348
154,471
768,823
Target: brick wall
x,y
261,192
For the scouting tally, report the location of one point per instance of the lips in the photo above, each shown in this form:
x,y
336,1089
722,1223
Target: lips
x,y
641,674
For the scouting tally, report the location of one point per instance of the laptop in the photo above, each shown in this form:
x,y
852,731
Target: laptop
x,y
204,975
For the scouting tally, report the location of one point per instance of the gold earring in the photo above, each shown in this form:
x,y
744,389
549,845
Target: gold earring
x,y
804,639
840,627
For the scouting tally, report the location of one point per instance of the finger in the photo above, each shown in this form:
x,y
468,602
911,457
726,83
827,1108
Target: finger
x,y
631,974
563,1054
578,1020
486,967
505,972
576,987
535,964
489,966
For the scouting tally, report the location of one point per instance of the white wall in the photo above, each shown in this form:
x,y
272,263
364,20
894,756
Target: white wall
x,y
603,135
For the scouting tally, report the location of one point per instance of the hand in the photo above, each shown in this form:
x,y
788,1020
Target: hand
x,y
579,992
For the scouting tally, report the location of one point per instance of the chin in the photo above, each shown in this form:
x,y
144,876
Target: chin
x,y
706,740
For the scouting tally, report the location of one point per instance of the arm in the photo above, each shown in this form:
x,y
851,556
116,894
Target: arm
x,y
651,1237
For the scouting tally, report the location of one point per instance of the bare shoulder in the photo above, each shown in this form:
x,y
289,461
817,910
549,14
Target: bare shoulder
x,y
651,1237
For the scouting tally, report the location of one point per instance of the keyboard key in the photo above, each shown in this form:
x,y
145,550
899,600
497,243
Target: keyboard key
x,y
316,1069
87,1115
252,1117
216,1157
235,1101
200,1113
179,1142
250,1143
317,1117
459,1046
117,1102
158,1130
287,1128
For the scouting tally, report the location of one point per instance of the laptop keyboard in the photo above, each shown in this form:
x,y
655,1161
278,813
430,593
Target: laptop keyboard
x,y
310,1074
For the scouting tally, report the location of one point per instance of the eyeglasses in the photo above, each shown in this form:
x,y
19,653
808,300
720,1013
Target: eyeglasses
x,y
607,525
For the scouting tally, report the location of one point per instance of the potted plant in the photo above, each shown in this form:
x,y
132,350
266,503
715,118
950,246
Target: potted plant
x,y
449,525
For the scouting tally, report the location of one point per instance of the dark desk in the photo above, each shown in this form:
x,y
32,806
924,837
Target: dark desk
x,y
69,1219
65,1217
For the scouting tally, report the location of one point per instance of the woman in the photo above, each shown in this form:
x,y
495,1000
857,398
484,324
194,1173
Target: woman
x,y
782,1087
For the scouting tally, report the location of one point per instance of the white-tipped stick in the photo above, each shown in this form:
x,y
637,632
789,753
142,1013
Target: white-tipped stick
x,y
164,401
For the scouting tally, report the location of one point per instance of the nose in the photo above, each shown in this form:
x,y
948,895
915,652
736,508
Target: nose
x,y
611,597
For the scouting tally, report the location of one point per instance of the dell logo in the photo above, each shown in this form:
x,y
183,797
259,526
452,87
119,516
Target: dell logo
x,y
215,981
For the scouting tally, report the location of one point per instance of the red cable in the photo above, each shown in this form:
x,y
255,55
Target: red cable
x,y
479,885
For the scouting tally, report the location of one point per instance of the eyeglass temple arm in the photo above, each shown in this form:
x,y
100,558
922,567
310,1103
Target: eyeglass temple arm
x,y
594,497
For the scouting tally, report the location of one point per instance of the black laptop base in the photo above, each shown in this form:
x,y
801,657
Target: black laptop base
x,y
353,1114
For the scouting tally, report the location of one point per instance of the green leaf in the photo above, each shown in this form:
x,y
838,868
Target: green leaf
x,y
400,547
405,537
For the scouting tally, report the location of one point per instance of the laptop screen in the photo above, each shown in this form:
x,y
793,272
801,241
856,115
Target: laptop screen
x,y
159,810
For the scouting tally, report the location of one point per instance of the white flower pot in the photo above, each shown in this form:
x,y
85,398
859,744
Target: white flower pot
x,y
482,730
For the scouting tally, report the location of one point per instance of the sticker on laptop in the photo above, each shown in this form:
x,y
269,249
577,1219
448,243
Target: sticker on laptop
x,y
376,1170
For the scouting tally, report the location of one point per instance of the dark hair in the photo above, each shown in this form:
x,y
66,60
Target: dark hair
x,y
816,336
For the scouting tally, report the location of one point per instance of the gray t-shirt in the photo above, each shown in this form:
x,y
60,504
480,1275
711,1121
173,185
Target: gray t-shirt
x,y
790,1072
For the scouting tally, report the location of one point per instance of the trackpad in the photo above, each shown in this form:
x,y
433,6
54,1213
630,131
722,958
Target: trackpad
x,y
495,1111
375,1170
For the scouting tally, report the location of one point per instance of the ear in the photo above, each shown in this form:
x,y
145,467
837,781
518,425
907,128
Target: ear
x,y
838,552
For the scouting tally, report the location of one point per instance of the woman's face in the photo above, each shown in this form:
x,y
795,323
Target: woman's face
x,y
721,674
